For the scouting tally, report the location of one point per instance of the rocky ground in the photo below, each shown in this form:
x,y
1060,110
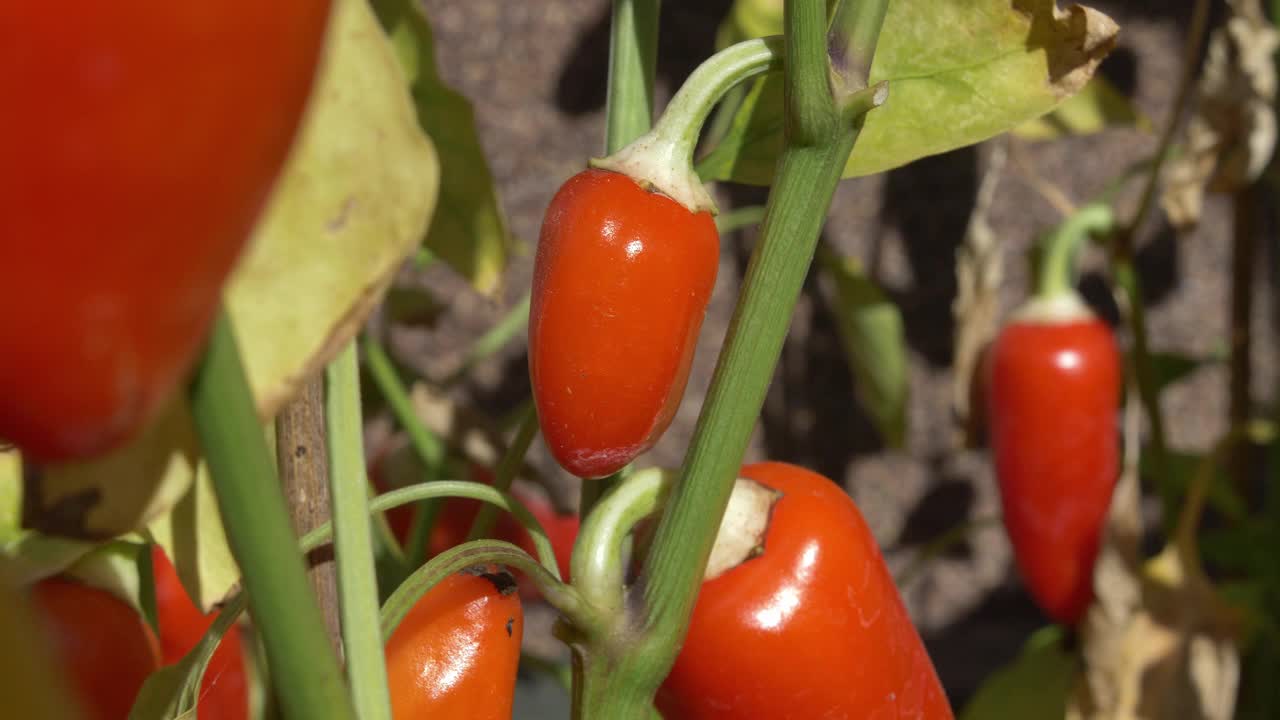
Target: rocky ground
x,y
535,72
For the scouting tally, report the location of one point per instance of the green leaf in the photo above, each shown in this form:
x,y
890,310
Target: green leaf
x,y
174,690
469,229
1181,467
1097,107
958,73
1035,685
350,207
871,330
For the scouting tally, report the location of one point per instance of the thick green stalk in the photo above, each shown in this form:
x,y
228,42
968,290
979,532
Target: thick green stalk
x,y
353,539
633,59
619,679
304,669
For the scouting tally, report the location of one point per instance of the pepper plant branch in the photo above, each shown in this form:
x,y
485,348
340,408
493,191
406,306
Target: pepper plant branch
x,y
303,666
482,552
851,43
506,472
596,566
302,460
446,489
633,59
353,539
1123,249
429,448
817,147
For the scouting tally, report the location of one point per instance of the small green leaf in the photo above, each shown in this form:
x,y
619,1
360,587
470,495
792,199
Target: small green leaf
x,y
174,690
469,228
1035,685
1097,107
958,73
871,329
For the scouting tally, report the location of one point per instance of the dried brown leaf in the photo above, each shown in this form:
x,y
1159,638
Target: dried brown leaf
x,y
979,273
1231,137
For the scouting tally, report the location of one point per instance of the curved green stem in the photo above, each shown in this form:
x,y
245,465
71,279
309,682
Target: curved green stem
x,y
596,566
663,157
633,58
481,552
353,539
506,472
1060,246
447,489
303,665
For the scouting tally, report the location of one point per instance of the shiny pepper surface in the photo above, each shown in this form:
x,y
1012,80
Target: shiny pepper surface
x,y
455,654
620,287
812,627
1053,393
138,143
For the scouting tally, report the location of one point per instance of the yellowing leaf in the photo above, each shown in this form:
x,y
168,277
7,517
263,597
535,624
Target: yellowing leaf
x,y
958,73
469,228
352,204
1232,135
1098,106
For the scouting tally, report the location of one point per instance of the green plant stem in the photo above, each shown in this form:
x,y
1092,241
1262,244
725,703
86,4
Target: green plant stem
x,y
852,40
596,566
512,323
620,683
303,667
1060,247
428,447
353,539
506,473
1123,252
633,59
739,218
662,158
482,552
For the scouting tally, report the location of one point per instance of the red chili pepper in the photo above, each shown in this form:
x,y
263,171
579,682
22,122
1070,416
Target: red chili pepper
x,y
455,654
138,144
224,692
621,283
105,646
1053,389
810,627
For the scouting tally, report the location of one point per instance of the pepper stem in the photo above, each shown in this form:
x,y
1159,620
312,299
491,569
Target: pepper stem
x,y
1060,246
662,159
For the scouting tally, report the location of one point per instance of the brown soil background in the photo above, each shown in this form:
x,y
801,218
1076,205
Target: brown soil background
x,y
535,72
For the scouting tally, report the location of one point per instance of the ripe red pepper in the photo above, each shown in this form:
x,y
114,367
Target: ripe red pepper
x,y
138,145
224,692
455,654
621,283
811,627
105,646
1053,388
